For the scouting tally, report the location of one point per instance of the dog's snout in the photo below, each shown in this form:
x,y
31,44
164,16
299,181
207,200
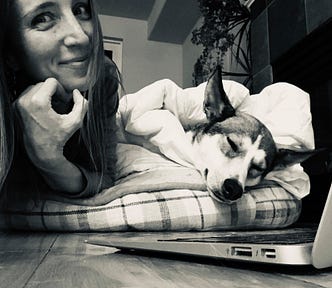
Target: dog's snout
x,y
232,189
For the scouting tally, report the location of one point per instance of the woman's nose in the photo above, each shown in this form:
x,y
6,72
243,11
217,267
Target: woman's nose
x,y
74,32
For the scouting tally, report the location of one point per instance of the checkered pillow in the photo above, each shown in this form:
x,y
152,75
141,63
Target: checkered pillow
x,y
170,210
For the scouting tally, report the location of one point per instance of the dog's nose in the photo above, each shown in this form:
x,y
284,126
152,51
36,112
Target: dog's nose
x,y
232,189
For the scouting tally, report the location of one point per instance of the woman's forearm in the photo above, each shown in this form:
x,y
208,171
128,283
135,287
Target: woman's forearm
x,y
64,176
59,173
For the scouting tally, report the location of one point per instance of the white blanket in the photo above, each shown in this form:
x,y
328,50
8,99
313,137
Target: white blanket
x,y
156,118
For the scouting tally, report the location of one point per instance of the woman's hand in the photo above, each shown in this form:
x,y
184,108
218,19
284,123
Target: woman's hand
x,y
44,129
45,132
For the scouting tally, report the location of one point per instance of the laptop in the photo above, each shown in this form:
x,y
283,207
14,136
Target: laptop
x,y
293,246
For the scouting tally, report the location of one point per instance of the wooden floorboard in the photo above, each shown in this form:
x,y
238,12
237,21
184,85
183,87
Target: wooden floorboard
x,y
16,268
26,241
21,255
320,278
66,260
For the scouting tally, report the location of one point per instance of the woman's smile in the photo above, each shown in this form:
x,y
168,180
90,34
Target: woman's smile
x,y
76,63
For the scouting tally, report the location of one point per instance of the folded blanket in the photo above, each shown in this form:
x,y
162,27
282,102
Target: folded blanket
x,y
140,170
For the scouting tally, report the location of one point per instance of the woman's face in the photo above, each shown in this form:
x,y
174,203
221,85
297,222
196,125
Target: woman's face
x,y
52,38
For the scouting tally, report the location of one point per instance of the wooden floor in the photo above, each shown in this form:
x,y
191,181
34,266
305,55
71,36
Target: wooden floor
x,y
65,260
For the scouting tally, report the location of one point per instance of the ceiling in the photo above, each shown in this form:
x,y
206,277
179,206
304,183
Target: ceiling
x,y
137,9
168,20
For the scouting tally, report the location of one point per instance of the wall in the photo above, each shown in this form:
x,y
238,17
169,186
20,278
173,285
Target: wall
x,y
143,61
277,27
147,61
191,53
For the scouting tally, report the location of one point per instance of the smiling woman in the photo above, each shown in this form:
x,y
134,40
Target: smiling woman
x,y
64,95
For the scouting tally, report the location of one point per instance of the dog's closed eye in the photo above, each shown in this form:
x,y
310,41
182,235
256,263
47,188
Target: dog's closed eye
x,y
255,171
232,144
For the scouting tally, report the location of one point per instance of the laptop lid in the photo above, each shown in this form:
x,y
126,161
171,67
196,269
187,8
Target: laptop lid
x,y
322,249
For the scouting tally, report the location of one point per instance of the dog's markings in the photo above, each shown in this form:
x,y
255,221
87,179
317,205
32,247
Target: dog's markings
x,y
225,159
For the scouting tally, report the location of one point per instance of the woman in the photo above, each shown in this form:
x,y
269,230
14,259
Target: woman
x,y
6,126
64,97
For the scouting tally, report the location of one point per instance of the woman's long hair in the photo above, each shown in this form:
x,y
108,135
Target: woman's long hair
x,y
6,120
99,131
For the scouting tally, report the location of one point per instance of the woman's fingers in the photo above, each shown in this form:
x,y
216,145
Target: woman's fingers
x,y
80,104
43,96
35,109
37,98
75,117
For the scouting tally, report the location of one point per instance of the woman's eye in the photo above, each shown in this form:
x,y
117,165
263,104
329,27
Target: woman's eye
x,y
83,11
42,21
232,144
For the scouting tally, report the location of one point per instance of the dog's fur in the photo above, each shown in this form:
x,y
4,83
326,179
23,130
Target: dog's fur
x,y
237,149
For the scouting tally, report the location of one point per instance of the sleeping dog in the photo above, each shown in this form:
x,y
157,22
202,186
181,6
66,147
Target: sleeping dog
x,y
237,149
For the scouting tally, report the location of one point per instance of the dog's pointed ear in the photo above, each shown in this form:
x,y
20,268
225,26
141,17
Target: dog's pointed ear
x,y
287,157
216,103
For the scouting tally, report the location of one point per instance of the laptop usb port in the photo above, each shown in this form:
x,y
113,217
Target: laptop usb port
x,y
269,253
241,251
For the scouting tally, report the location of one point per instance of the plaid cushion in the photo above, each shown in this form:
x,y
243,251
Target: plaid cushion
x,y
171,210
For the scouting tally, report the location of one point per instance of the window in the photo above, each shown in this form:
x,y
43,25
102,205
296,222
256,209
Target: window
x,y
113,49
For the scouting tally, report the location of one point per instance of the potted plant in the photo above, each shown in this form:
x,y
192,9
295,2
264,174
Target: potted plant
x,y
225,28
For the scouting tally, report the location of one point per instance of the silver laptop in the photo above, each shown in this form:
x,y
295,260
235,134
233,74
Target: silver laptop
x,y
292,246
